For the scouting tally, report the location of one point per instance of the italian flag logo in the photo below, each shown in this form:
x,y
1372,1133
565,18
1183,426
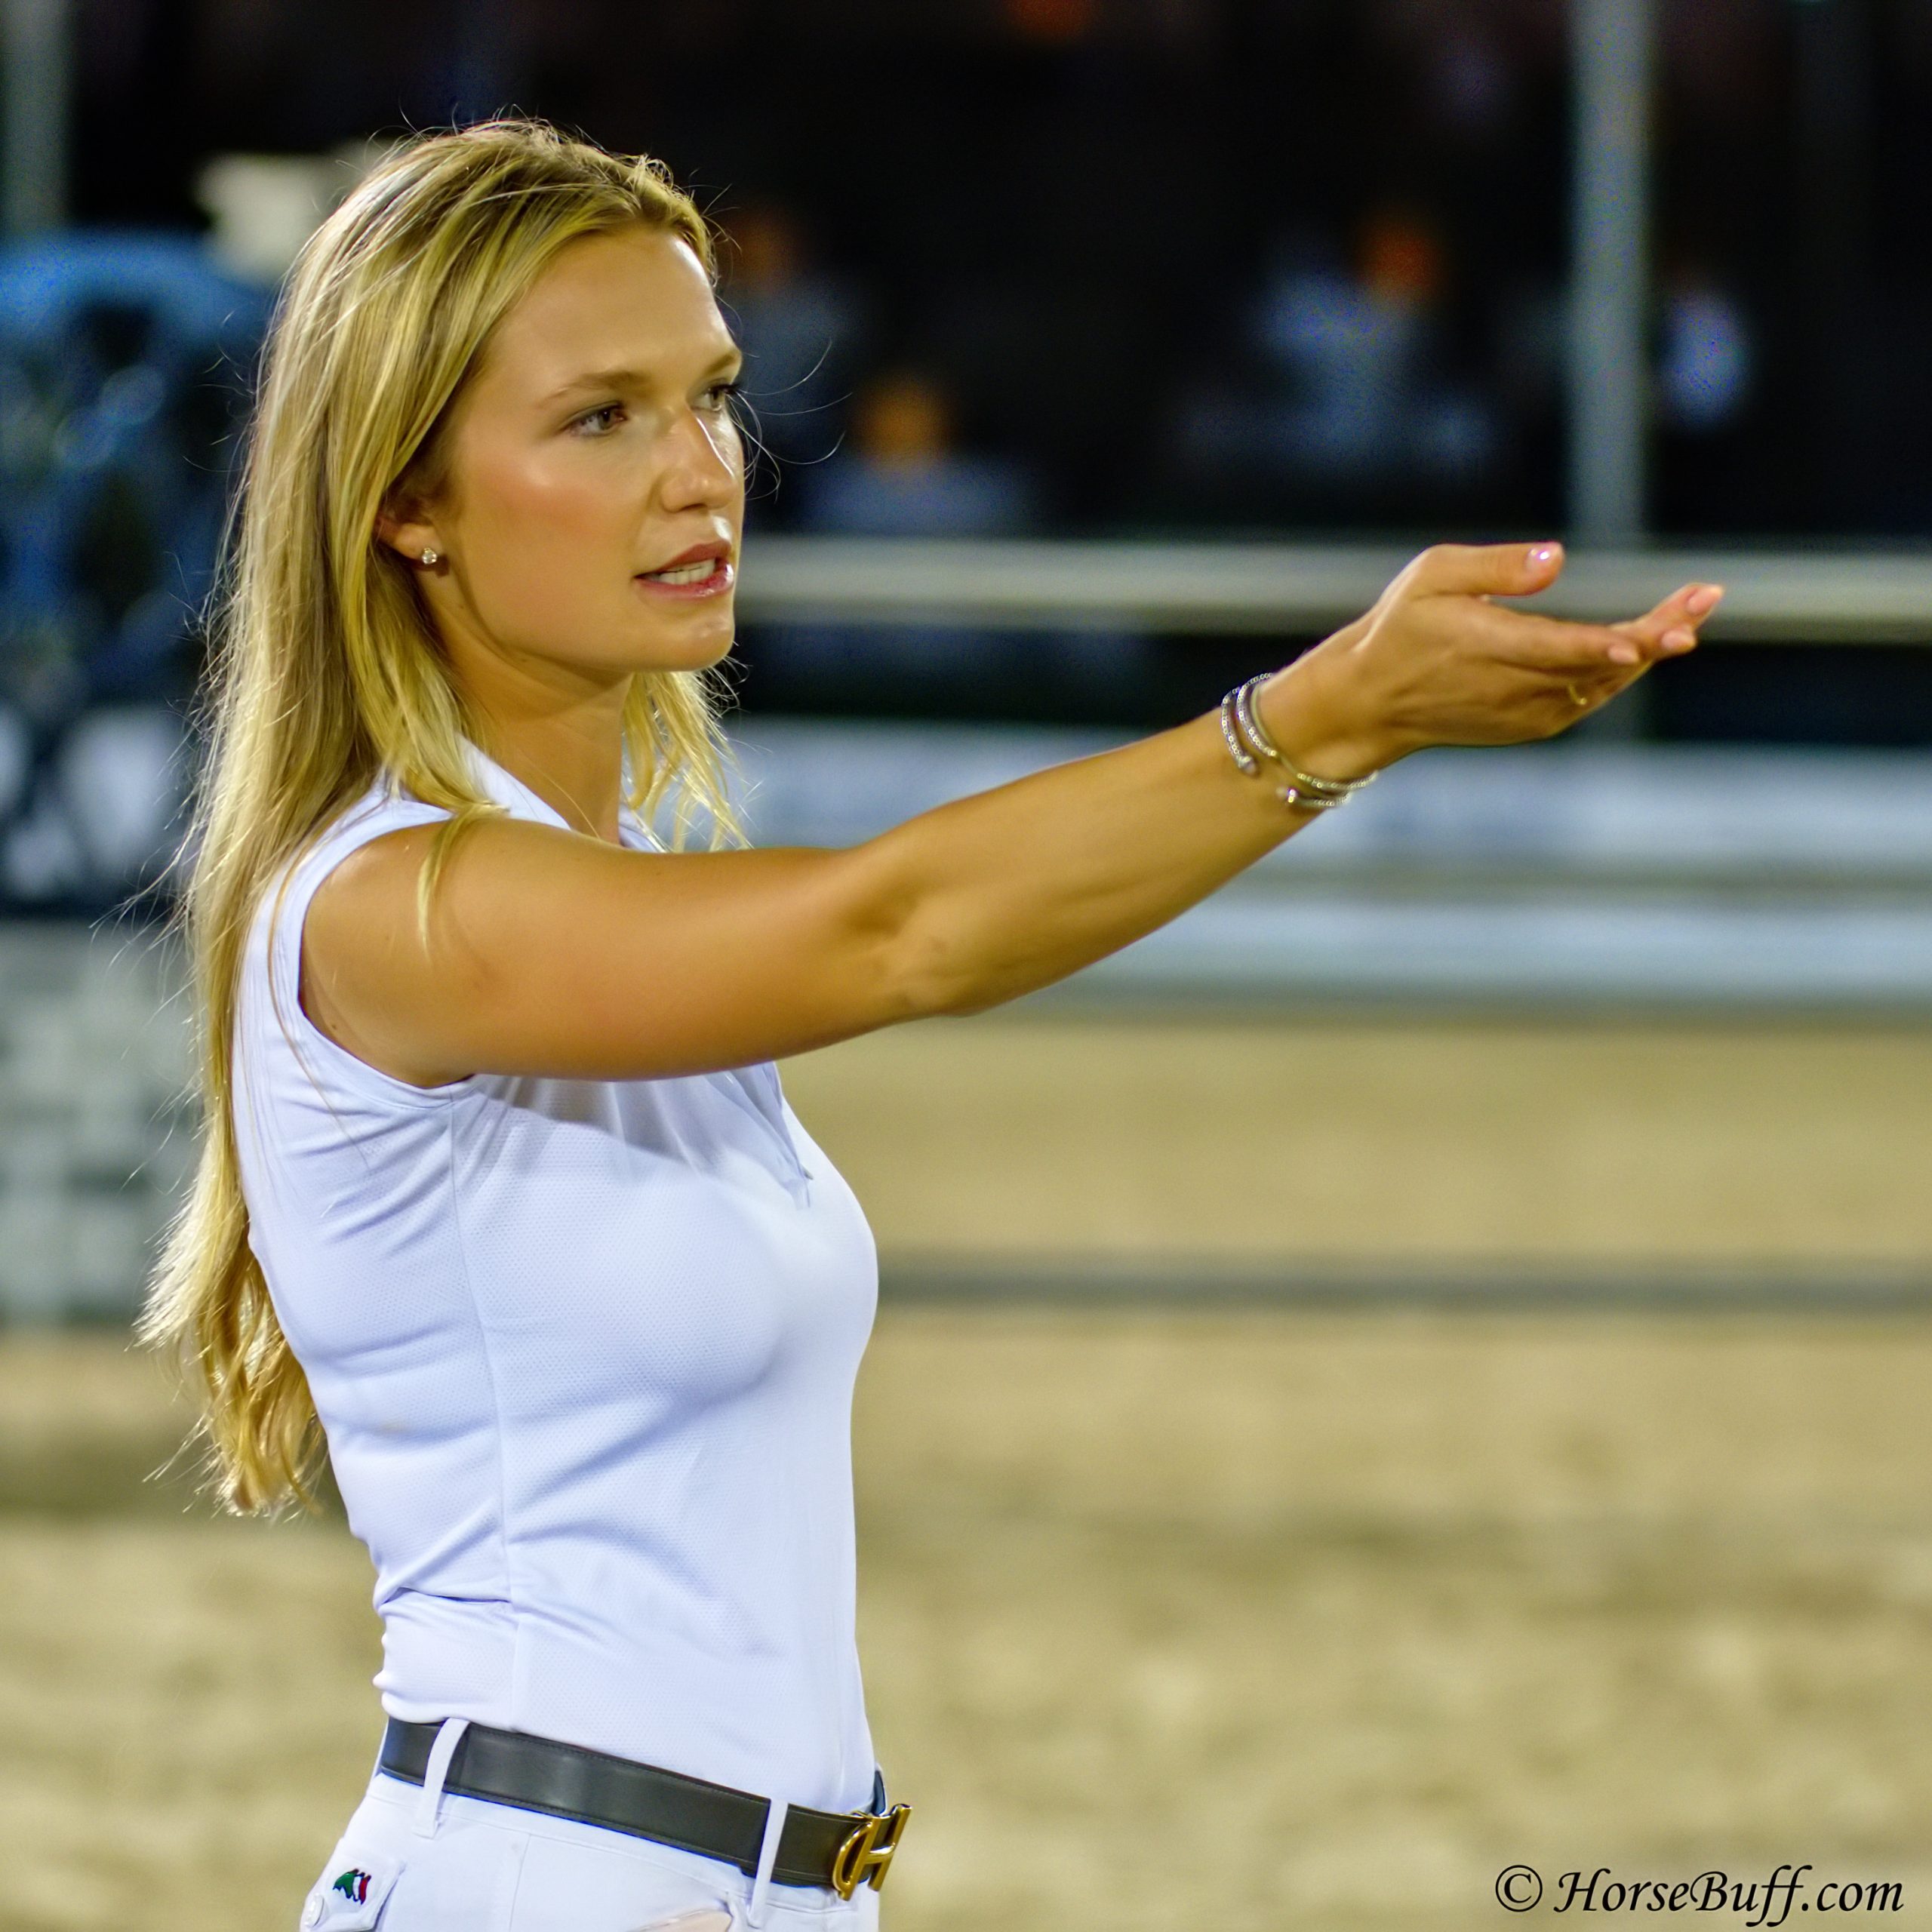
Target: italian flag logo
x,y
353,1886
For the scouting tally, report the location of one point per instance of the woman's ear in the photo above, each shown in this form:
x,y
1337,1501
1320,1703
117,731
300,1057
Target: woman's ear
x,y
405,525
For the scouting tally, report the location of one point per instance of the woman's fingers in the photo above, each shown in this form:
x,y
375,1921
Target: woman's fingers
x,y
1670,628
1535,642
1693,603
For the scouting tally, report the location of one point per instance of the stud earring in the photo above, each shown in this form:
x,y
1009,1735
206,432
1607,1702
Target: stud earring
x,y
431,558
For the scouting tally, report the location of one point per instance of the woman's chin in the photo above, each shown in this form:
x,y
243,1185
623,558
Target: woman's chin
x,y
693,645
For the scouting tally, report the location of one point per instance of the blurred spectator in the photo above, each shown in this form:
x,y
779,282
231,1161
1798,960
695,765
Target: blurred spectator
x,y
801,329
1707,361
1714,469
1348,405
903,476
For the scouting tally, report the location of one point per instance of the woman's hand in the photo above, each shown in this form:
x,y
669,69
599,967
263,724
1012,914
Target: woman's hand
x,y
1436,663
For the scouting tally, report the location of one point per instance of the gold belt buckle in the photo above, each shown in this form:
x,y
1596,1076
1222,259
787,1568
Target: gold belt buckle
x,y
863,1857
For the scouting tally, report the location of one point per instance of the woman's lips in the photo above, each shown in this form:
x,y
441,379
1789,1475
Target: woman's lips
x,y
709,576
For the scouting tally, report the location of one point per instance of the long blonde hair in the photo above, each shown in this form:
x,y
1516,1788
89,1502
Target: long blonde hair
x,y
325,668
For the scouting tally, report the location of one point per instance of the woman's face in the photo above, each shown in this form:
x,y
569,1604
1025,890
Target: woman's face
x,y
593,452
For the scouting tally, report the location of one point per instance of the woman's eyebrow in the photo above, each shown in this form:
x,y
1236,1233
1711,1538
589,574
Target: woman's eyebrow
x,y
602,378
635,379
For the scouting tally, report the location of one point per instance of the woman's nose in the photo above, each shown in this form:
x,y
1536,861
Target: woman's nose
x,y
704,464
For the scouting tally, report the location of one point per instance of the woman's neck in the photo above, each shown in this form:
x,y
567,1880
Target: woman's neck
x,y
557,728
573,761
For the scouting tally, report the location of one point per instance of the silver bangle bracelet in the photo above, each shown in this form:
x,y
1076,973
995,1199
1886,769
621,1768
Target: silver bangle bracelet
x,y
1306,798
1335,790
1241,756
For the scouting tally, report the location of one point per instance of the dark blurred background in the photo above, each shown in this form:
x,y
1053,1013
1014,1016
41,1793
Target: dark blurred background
x,y
1213,264
1205,269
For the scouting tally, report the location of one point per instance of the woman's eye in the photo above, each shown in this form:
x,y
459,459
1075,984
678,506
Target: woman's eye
x,y
719,394
598,422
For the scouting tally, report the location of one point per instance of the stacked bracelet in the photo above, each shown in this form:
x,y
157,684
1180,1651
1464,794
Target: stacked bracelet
x,y
1248,741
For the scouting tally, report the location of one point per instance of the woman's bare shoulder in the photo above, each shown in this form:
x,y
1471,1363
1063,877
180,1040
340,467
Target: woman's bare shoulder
x,y
545,952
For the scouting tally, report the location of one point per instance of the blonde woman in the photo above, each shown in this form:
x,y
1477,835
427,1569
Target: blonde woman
x,y
499,1195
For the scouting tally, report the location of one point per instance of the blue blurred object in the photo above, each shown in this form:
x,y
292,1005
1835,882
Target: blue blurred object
x,y
123,363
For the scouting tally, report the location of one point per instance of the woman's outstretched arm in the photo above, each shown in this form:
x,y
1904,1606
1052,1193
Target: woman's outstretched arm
x,y
552,953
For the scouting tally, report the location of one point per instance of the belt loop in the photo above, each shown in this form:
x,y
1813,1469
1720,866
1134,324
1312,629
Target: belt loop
x,y
767,1857
449,1735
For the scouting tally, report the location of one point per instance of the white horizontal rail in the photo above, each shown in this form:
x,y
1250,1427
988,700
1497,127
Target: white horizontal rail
x,y
1834,596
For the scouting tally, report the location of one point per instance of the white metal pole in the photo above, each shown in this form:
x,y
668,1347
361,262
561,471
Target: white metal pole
x,y
33,145
1609,286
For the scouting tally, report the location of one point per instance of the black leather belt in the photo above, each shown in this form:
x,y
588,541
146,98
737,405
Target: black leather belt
x,y
839,1849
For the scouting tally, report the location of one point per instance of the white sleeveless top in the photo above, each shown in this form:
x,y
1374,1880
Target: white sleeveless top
x,y
584,1353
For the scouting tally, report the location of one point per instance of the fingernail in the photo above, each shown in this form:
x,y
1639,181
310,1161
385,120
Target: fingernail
x,y
1704,598
1624,653
1545,553
1679,640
